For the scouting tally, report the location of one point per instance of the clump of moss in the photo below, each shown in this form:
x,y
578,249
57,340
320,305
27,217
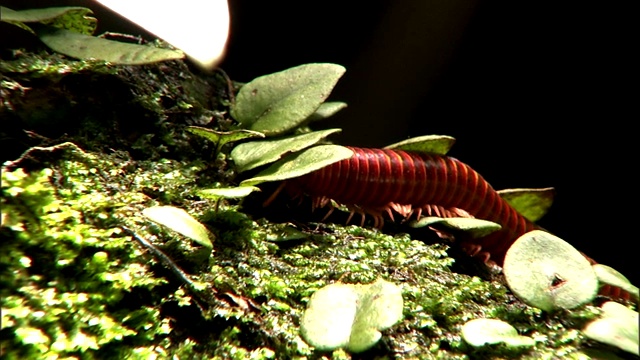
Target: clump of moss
x,y
138,109
70,283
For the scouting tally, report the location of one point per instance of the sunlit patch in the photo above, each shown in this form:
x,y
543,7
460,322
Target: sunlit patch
x,y
199,28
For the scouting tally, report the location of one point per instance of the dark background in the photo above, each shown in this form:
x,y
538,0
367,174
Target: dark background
x,y
536,95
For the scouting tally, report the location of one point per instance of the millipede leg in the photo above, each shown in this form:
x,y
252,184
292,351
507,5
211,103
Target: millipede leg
x,y
274,195
326,216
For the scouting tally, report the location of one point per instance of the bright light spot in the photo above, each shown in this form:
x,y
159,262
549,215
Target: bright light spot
x,y
198,27
25,262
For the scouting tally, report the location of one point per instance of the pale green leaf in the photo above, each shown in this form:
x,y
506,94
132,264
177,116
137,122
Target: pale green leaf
x,y
301,163
223,137
479,332
250,155
380,307
228,193
327,109
610,276
546,272
351,316
277,103
179,221
617,327
326,323
430,144
533,204
475,228
86,47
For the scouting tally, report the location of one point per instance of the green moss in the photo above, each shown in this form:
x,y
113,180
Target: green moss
x,y
65,279
77,282
53,67
141,110
74,282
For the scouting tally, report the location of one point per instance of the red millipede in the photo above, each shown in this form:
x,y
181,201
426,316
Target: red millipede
x,y
376,181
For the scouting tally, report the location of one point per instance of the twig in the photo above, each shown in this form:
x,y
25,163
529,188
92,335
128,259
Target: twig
x,y
167,262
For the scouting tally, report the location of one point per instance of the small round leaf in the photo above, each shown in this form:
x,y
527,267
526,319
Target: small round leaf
x,y
327,322
479,332
546,272
351,316
277,103
618,327
380,307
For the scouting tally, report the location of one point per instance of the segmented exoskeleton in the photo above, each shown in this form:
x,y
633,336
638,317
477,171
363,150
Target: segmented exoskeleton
x,y
379,181
376,182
